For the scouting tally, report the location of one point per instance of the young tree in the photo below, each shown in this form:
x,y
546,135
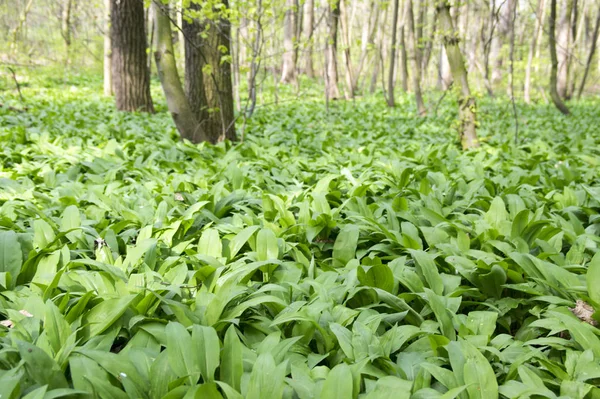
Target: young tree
x,y
308,22
185,120
131,78
590,57
331,74
288,72
108,86
415,56
558,102
391,72
539,15
466,102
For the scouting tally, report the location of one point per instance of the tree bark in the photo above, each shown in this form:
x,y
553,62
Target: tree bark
x,y
350,88
108,86
467,105
288,71
208,77
65,29
538,24
564,39
179,107
131,79
558,102
390,97
309,16
19,27
331,50
367,39
415,58
503,21
590,55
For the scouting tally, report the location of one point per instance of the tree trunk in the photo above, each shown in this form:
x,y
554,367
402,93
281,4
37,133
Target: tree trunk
x,y
390,96
208,77
309,16
331,51
444,73
590,55
503,21
179,107
554,59
65,29
367,38
415,58
563,40
467,105
108,86
538,24
15,33
350,89
288,72
131,78
403,56
377,58
511,54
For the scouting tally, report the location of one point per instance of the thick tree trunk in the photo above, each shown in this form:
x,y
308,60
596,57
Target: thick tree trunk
x,y
309,16
534,41
131,79
208,77
108,86
444,73
554,59
415,58
467,105
390,96
331,51
590,55
185,120
288,71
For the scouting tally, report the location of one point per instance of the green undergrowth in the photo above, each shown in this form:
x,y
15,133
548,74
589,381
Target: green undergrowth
x,y
355,253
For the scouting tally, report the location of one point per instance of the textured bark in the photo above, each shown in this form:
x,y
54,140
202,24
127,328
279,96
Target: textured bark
x,y
208,80
288,71
350,88
131,78
444,73
532,48
65,28
308,22
390,97
467,105
564,39
331,51
108,86
185,120
554,60
590,55
503,21
415,55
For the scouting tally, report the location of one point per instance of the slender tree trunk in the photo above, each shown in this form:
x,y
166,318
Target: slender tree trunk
x,y
350,89
416,58
554,59
588,63
390,96
179,107
367,39
563,40
467,105
331,50
15,33
511,54
309,16
532,47
503,18
131,79
403,55
378,53
108,86
255,61
65,29
288,72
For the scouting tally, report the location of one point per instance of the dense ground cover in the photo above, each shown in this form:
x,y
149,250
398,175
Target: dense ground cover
x,y
355,253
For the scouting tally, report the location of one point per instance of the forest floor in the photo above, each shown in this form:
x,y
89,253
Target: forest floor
x,y
355,252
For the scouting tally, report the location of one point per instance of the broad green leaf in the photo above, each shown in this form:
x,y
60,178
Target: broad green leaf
x,y
182,354
338,383
106,313
210,243
593,279
11,257
231,369
207,347
266,245
428,269
344,247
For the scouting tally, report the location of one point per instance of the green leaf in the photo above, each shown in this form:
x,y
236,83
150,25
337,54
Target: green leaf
x,y
338,383
266,245
106,313
43,234
428,269
379,276
240,239
207,347
11,257
266,379
344,247
210,243
231,359
182,354
593,280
